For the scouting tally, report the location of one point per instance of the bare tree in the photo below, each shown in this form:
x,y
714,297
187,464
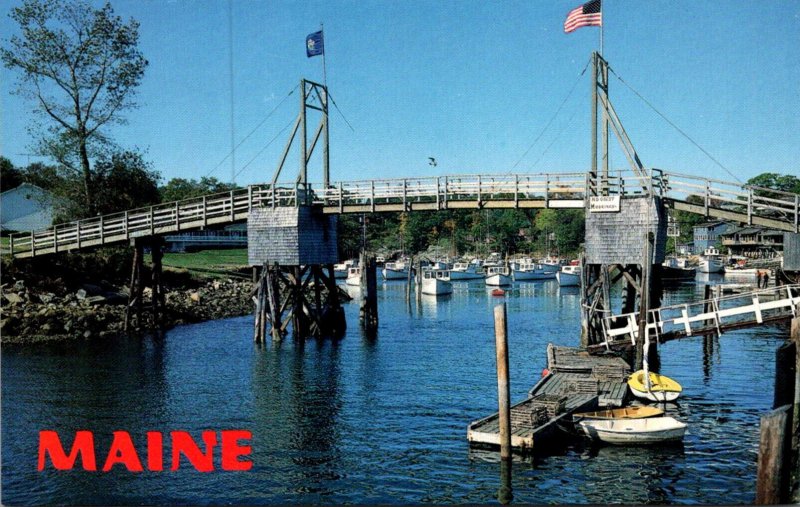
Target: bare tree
x,y
79,67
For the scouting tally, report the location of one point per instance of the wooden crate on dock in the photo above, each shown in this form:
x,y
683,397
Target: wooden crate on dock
x,y
552,403
610,373
581,386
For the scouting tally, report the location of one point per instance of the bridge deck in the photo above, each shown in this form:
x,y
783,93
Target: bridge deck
x,y
778,210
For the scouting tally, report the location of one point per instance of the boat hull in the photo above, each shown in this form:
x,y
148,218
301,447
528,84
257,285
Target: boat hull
x,y
436,287
646,431
524,275
662,388
394,274
711,266
568,279
620,413
498,280
465,275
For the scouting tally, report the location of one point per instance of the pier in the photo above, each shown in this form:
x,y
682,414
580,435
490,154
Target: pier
x,y
575,382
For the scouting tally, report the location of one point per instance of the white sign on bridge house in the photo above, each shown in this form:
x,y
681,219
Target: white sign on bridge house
x,y
603,203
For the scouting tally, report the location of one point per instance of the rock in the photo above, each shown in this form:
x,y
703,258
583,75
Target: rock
x,y
87,334
91,289
13,298
96,300
47,297
216,285
45,329
195,296
81,294
19,284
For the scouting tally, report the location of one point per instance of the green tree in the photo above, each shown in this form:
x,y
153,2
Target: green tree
x,y
10,176
775,181
79,67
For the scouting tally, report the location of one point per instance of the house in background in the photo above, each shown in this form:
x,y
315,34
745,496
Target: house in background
x,y
753,242
708,234
26,208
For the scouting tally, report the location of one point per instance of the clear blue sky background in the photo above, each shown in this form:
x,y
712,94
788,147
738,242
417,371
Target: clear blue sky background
x,y
471,83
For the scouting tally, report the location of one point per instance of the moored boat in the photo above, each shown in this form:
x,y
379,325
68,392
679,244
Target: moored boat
x,y
620,413
497,276
436,282
569,276
340,270
465,271
711,261
531,272
353,276
662,388
648,430
395,271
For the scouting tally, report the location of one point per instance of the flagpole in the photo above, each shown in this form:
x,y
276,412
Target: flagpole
x,y
324,68
601,29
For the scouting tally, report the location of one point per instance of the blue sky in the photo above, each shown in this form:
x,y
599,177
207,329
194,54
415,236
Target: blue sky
x,y
471,83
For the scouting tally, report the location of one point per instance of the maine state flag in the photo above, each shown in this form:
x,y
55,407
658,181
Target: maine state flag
x,y
314,44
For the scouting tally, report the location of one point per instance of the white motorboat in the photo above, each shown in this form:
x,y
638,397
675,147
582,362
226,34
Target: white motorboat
x,y
436,282
550,265
353,276
569,276
395,271
340,270
651,430
711,261
497,276
532,272
465,271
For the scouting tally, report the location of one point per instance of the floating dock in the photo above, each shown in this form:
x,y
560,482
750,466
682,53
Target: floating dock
x,y
575,382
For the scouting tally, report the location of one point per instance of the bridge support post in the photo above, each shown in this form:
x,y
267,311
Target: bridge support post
x,y
157,291
136,286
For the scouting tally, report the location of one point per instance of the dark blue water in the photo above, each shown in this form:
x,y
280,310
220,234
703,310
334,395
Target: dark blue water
x,y
375,420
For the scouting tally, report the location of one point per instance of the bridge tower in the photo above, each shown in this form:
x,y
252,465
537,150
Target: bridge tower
x,y
626,230
296,247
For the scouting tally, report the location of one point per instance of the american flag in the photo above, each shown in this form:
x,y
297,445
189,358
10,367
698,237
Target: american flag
x,y
588,14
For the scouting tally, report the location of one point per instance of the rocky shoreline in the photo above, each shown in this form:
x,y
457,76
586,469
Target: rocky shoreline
x,y
31,315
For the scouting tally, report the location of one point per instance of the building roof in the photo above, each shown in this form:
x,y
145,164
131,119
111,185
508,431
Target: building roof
x,y
711,224
26,186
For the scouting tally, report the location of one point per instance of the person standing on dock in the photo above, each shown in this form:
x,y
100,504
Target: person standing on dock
x,y
758,275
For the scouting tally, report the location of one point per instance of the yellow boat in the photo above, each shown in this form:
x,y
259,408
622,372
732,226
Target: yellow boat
x,y
662,388
621,413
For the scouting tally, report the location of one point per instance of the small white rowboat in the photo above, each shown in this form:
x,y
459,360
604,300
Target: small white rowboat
x,y
652,430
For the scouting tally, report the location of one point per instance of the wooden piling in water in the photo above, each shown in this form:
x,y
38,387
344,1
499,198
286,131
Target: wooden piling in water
x,y
157,291
644,301
369,288
503,389
785,371
774,450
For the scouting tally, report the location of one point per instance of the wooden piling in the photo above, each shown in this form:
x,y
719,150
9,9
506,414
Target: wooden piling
x,y
772,483
157,291
503,389
785,370
369,289
505,494
258,299
794,336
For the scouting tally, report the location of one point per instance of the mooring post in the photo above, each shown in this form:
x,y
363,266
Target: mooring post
x,y
794,336
785,370
774,457
369,288
503,390
505,494
258,300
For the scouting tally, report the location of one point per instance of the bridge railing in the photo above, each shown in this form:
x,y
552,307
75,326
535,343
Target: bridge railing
x,y
745,199
168,217
716,314
452,188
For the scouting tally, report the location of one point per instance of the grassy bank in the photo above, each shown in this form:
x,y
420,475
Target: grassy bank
x,y
205,263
